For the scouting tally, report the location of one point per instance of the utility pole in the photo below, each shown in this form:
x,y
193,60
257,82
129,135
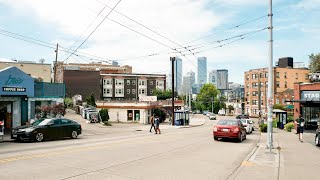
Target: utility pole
x,y
270,81
190,98
172,83
55,65
259,96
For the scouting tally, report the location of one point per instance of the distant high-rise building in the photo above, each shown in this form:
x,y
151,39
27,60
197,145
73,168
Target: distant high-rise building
x,y
188,81
177,75
202,70
219,78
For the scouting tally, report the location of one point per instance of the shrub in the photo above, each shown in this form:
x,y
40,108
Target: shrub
x,y
289,126
104,115
290,119
274,123
263,127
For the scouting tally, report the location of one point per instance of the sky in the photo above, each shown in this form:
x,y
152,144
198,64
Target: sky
x,y
144,34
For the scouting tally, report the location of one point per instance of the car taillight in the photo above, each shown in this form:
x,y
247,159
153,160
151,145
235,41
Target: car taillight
x,y
236,130
215,129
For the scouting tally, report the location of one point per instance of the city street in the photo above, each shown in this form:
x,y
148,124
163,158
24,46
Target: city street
x,y
134,153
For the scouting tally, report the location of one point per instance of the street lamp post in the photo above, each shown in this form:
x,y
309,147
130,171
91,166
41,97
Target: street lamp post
x,y
270,81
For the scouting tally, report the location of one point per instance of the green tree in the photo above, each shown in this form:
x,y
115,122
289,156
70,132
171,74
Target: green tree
x,y
230,108
161,94
278,106
104,115
206,97
68,102
314,64
91,100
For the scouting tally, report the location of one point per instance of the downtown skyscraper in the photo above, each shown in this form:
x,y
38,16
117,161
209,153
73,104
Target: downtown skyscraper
x,y
202,70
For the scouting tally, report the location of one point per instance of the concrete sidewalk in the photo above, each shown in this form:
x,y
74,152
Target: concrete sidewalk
x,y
290,159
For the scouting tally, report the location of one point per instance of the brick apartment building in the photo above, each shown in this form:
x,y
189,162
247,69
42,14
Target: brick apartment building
x,y
256,85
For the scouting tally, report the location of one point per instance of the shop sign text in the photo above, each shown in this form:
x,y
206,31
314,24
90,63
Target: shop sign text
x,y
13,81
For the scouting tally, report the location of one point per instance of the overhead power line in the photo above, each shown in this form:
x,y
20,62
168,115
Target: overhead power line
x,y
93,30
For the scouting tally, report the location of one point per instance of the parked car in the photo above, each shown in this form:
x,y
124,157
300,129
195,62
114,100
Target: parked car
x,y
247,125
212,117
54,128
221,112
317,138
229,129
242,116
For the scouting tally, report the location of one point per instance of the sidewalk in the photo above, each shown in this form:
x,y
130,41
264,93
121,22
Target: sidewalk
x,y
290,159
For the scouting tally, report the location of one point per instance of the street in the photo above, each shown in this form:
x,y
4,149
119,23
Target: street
x,y
134,153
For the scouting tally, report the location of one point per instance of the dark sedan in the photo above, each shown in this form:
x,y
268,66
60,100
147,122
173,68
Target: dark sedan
x,y
45,129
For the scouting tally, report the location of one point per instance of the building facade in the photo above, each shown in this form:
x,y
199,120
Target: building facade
x,y
39,71
202,70
130,86
219,78
177,75
256,85
188,82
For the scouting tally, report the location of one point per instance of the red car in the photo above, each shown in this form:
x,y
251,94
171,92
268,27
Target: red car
x,y
232,129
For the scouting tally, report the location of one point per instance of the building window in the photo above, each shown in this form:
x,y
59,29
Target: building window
x,y
139,91
266,75
296,75
104,91
254,102
278,84
278,74
277,101
151,91
267,84
306,76
104,81
248,77
285,75
151,83
248,85
255,93
142,91
285,84
108,91
128,82
261,75
133,82
261,84
141,83
157,83
248,94
254,85
128,91
133,91
255,111
254,76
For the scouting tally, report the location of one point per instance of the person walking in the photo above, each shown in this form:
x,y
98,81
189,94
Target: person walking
x,y
152,123
300,127
157,121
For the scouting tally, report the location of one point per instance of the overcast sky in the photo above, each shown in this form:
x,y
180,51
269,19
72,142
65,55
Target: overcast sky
x,y
199,25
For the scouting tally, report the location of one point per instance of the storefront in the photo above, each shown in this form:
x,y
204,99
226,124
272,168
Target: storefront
x,y
15,89
307,103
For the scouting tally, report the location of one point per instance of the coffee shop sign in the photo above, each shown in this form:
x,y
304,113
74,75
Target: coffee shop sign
x,y
310,95
13,81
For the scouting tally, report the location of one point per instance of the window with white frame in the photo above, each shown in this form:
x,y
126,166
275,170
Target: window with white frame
x,y
128,91
108,91
254,93
133,82
254,102
151,83
133,91
128,82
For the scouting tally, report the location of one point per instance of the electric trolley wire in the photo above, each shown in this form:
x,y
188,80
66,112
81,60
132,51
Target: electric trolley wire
x,y
93,30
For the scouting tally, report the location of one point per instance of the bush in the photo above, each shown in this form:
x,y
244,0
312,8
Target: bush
x,y
274,123
263,127
104,115
289,126
290,119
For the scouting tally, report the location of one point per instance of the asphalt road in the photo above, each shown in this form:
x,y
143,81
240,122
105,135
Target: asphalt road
x,y
184,153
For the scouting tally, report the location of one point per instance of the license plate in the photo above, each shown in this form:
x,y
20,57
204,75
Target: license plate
x,y
14,135
225,130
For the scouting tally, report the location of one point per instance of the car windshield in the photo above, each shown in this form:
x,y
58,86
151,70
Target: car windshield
x,y
44,122
37,122
243,121
228,123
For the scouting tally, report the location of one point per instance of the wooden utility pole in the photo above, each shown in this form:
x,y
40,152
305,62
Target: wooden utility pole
x,y
55,65
172,83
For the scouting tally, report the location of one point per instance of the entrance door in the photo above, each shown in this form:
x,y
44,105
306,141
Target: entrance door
x,y
137,115
130,115
6,114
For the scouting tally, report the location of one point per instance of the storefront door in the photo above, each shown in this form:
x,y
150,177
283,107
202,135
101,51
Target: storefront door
x,y
130,115
6,114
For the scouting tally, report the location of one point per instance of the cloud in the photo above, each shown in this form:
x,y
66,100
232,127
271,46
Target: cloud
x,y
308,4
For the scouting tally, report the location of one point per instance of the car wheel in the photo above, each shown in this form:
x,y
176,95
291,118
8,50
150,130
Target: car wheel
x,y
74,134
39,137
215,138
317,141
240,138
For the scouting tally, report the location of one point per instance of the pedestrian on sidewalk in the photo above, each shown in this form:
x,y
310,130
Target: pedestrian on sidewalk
x,y
152,123
157,121
300,127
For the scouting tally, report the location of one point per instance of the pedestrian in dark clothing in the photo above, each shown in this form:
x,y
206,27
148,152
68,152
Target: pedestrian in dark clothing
x,y
300,128
152,123
157,121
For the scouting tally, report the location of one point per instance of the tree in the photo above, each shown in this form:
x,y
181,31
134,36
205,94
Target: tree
x,y
278,106
206,97
230,108
91,100
104,115
161,94
314,62
68,102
